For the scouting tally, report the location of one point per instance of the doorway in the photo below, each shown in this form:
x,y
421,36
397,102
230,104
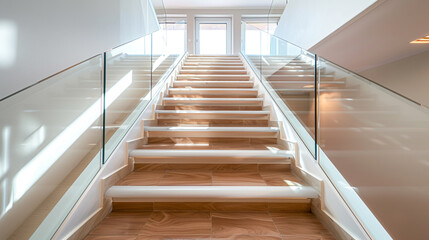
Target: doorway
x,y
213,36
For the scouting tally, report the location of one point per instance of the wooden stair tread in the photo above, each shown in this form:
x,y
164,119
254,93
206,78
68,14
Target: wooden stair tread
x,y
211,175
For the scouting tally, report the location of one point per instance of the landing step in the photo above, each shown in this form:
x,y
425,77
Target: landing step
x,y
210,193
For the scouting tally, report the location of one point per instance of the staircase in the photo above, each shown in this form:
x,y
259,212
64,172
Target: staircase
x,y
211,165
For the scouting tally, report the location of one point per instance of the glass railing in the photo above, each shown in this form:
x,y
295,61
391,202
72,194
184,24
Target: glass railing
x,y
292,86
57,134
370,141
51,142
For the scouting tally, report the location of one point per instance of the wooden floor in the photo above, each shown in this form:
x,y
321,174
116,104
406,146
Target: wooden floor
x,y
210,225
211,175
205,97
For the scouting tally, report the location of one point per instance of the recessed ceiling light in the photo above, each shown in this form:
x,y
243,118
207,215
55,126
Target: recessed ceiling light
x,y
421,40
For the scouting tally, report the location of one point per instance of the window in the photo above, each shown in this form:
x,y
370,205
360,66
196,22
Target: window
x,y
213,36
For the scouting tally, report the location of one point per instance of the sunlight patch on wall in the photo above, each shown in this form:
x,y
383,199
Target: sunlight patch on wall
x,y
8,38
38,166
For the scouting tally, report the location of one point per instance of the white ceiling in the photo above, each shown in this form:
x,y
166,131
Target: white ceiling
x,y
218,4
379,36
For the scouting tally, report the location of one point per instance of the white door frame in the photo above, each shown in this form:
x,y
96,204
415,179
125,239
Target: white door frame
x,y
225,20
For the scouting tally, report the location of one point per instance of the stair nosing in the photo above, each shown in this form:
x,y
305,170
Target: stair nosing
x,y
215,153
214,111
212,193
214,89
211,129
214,99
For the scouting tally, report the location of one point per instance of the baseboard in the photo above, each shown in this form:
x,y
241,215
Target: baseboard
x,y
92,221
105,209
328,222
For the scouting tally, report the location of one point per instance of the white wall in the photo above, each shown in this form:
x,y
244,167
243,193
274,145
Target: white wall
x,y
377,36
408,76
40,38
307,22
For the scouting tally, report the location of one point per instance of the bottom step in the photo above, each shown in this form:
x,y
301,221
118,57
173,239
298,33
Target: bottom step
x,y
212,224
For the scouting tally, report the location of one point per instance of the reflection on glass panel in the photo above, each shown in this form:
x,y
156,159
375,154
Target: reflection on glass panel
x,y
377,140
288,72
50,141
132,71
162,58
212,38
51,134
128,82
176,36
371,142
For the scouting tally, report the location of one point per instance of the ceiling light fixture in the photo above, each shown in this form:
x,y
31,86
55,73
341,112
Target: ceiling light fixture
x,y
421,40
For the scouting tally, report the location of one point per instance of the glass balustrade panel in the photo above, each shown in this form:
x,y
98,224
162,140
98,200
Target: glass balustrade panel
x,y
374,148
288,74
51,142
128,86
